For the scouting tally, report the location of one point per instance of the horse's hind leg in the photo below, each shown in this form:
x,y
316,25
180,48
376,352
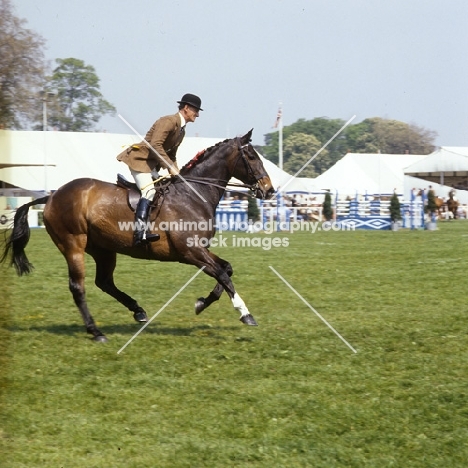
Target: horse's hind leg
x,y
76,275
105,266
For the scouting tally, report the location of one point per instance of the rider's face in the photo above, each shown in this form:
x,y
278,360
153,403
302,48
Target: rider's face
x,y
190,113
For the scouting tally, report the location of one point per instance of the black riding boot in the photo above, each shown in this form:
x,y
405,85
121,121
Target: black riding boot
x,y
141,236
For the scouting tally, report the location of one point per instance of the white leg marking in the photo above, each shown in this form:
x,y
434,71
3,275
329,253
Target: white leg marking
x,y
239,305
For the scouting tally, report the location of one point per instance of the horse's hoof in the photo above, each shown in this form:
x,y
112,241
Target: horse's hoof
x,y
100,339
248,320
200,305
140,316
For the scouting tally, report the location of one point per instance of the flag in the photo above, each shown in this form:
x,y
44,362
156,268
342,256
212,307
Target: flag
x,y
278,118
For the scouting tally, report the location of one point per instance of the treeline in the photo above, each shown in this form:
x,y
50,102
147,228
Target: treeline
x,y
70,91
304,138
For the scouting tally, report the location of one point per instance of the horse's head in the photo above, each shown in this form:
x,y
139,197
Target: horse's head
x,y
230,158
248,167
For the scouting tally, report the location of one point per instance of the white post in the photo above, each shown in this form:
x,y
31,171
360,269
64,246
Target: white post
x,y
280,137
45,97
44,129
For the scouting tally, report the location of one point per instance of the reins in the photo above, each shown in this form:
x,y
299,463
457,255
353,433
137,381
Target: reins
x,y
217,182
204,181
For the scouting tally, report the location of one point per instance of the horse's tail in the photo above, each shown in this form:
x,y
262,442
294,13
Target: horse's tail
x,y
19,238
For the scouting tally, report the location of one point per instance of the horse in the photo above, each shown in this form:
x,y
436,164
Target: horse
x,y
86,216
452,204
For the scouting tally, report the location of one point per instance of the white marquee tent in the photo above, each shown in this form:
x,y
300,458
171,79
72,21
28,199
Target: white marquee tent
x,y
447,167
445,163
358,173
38,161
371,173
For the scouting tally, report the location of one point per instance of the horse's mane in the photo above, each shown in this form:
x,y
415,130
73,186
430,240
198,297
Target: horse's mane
x,y
203,155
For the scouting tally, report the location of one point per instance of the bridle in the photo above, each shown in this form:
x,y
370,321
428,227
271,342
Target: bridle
x,y
250,171
241,156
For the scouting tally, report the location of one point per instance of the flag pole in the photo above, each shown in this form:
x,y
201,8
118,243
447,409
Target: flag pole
x,y
280,136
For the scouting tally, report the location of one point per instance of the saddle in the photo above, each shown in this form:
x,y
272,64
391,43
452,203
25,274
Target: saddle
x,y
134,195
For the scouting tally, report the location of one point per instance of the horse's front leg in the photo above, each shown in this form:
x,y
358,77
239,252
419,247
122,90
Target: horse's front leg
x,y
222,272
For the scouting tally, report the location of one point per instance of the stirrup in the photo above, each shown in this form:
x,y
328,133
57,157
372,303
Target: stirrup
x,y
152,237
144,238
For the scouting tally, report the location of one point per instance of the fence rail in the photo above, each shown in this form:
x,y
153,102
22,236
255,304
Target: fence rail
x,y
372,213
360,214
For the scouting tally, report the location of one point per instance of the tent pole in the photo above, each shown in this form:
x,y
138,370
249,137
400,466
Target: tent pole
x,y
280,138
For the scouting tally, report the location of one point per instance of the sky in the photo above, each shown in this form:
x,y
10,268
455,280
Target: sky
x,y
395,59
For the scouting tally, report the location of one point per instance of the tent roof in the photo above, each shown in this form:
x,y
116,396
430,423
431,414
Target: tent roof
x,y
47,160
371,173
447,159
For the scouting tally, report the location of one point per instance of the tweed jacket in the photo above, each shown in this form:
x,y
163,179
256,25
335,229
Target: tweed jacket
x,y
164,136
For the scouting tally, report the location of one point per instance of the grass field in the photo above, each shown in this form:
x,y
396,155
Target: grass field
x,y
207,391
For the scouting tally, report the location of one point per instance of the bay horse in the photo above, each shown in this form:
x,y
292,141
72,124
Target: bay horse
x,y
452,204
87,215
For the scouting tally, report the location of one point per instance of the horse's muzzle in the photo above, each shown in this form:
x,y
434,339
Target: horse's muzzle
x,y
264,188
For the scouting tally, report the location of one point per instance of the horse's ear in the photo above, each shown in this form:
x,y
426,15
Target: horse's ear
x,y
247,137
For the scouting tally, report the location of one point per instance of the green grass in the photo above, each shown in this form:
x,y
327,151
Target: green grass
x,y
207,391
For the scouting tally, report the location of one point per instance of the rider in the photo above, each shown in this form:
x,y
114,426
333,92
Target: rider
x,y
157,151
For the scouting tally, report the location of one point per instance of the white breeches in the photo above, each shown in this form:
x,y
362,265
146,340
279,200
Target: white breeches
x,y
145,183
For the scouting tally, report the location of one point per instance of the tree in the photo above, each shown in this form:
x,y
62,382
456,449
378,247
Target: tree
x,y
322,129
361,139
431,205
297,151
21,68
375,135
395,208
78,104
253,212
327,207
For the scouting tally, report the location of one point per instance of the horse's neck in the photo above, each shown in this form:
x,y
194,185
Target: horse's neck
x,y
194,187
213,175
